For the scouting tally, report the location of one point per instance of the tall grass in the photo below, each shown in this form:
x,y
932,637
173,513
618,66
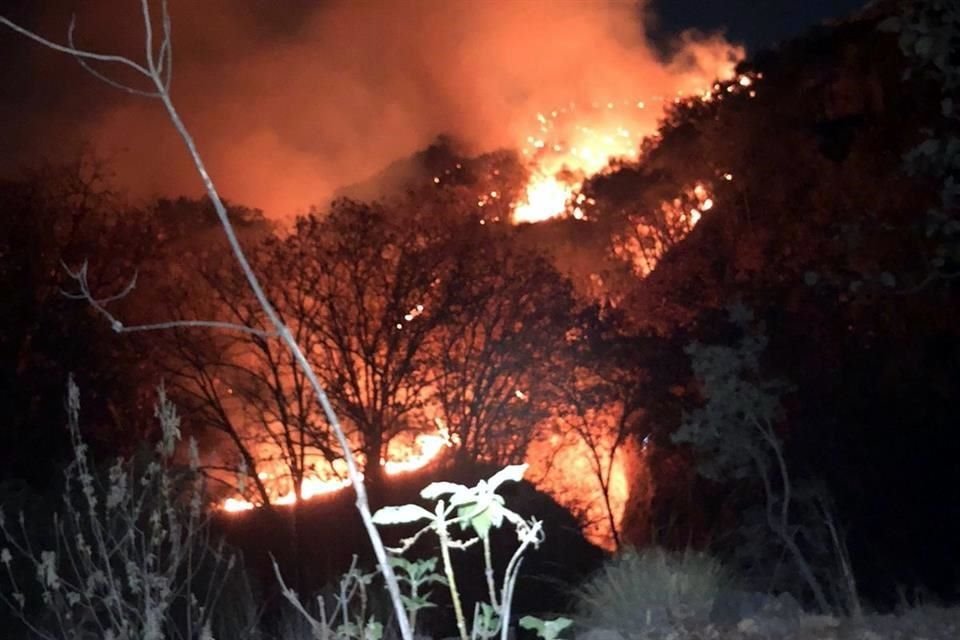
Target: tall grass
x,y
129,554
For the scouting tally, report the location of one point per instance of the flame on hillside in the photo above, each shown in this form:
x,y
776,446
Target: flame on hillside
x,y
573,143
560,462
325,478
646,241
563,466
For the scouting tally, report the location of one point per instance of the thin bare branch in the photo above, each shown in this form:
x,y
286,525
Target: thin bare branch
x,y
102,76
148,36
165,59
99,304
80,53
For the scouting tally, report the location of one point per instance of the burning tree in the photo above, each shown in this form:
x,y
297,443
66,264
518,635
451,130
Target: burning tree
x,y
493,357
598,422
413,320
375,285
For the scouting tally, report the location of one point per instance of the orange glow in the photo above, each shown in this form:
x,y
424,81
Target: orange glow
x,y
402,459
562,460
235,504
564,467
428,448
575,142
647,243
572,144
546,197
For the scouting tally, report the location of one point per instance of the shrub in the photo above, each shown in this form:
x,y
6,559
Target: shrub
x,y
651,588
129,556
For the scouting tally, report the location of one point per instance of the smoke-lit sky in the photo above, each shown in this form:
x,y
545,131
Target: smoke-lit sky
x,y
291,100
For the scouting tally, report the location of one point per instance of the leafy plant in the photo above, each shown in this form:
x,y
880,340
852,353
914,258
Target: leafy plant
x,y
735,436
416,575
474,510
349,618
928,32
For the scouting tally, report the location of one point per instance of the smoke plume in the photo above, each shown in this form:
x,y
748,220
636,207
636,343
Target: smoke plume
x,y
291,100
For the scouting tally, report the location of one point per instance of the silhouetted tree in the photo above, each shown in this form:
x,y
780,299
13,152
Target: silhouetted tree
x,y
54,217
494,354
411,320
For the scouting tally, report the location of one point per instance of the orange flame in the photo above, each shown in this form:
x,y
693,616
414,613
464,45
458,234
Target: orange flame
x,y
401,460
566,468
573,143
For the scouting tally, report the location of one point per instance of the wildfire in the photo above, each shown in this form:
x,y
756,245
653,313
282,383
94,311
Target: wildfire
x,y
570,145
402,459
564,466
546,197
573,143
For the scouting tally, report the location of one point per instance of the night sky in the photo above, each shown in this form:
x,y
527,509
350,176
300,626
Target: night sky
x,y
756,24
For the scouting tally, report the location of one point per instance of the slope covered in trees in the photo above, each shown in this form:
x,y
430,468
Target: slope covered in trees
x,y
822,234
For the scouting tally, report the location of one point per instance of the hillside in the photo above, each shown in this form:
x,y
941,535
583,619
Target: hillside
x,y
819,232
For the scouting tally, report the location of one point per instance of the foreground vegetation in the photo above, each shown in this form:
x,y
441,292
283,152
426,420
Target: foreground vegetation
x,y
131,555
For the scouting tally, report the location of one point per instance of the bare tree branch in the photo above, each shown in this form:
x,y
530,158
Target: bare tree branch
x,y
78,53
99,304
102,76
154,73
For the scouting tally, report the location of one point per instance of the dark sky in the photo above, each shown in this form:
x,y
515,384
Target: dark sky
x,y
757,23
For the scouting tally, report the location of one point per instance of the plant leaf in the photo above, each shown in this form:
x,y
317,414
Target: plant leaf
x,y
546,629
401,515
436,489
481,523
512,472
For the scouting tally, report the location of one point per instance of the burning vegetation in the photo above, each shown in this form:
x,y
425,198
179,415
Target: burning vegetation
x,y
555,283
574,146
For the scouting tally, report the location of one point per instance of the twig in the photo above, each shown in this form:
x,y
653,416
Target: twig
x,y
79,53
99,305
